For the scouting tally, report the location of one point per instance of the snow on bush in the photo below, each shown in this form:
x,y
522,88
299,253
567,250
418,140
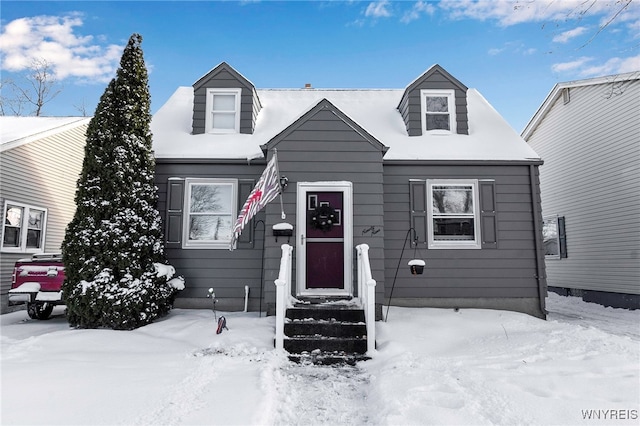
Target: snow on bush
x,y
113,251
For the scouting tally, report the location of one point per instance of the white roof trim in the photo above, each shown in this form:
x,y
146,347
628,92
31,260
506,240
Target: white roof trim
x,y
556,92
11,140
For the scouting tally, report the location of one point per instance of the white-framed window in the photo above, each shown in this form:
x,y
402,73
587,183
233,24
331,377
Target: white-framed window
x,y
453,214
438,111
223,110
23,228
553,237
210,212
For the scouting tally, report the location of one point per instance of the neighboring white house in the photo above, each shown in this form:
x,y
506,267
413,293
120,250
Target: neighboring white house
x,y
588,133
40,161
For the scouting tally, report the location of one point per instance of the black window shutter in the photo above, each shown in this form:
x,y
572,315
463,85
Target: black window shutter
x,y
418,209
175,203
562,236
245,240
488,219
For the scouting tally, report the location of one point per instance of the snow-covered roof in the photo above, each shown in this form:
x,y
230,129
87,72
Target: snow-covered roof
x,y
490,136
556,92
16,131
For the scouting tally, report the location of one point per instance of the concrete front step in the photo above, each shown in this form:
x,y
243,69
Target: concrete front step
x,y
301,344
328,358
324,328
327,313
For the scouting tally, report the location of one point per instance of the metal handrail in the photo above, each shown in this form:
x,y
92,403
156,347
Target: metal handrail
x,y
283,293
367,294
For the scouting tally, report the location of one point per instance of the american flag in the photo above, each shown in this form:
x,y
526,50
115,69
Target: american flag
x,y
267,188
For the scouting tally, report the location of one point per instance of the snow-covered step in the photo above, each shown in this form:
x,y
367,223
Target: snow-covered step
x,y
326,312
325,328
327,358
316,332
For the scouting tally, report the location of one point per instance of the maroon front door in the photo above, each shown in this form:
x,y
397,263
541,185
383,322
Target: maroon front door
x,y
324,240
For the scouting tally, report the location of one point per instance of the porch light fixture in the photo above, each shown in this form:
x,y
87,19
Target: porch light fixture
x,y
284,182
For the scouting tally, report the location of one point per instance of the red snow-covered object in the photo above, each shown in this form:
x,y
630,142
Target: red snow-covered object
x,y
37,281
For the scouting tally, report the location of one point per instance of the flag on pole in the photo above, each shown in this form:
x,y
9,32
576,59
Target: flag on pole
x,y
267,188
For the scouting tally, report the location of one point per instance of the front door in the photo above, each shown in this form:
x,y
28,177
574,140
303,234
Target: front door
x,y
325,239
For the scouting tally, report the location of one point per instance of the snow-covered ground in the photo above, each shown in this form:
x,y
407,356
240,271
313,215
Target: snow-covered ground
x,y
432,366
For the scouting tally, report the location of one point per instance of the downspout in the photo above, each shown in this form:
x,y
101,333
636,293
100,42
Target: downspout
x,y
537,242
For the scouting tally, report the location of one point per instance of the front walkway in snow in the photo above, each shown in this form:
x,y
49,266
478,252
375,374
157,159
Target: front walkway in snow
x,y
314,394
222,388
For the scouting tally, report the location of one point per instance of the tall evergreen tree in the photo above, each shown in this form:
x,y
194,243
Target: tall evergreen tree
x,y
115,237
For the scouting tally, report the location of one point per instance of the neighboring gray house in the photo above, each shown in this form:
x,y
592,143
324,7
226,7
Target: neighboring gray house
x,y
434,158
588,132
40,161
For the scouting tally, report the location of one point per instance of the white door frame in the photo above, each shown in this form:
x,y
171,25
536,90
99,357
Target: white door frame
x,y
301,225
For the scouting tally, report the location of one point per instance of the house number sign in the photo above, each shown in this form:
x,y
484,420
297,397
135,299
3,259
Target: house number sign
x,y
372,230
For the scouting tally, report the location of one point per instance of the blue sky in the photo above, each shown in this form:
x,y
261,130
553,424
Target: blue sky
x,y
513,52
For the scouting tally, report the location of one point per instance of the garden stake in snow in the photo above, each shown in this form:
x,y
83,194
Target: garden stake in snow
x,y
222,325
212,295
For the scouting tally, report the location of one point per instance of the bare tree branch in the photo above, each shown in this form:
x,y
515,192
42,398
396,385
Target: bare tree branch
x,y
40,89
606,24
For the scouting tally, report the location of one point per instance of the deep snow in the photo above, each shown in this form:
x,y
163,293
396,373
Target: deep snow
x,y
432,366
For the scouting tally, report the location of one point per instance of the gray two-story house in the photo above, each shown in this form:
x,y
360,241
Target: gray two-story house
x,y
589,134
430,171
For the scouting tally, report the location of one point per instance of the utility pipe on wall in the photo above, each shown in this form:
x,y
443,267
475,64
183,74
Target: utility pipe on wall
x,y
246,297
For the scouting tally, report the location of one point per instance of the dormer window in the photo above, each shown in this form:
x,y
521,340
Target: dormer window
x,y
438,111
223,110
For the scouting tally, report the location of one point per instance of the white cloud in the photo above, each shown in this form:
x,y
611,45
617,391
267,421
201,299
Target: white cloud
x,y
508,12
634,28
585,67
418,9
572,65
568,35
379,9
55,40
515,47
612,66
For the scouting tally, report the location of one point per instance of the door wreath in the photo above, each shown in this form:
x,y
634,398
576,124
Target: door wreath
x,y
323,218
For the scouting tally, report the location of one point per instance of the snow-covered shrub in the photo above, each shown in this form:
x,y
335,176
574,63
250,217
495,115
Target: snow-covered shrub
x,y
114,244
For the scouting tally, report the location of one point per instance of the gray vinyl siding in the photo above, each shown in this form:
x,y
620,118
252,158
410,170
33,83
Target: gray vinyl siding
x,y
227,272
225,78
508,271
410,106
320,147
591,177
42,173
324,146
